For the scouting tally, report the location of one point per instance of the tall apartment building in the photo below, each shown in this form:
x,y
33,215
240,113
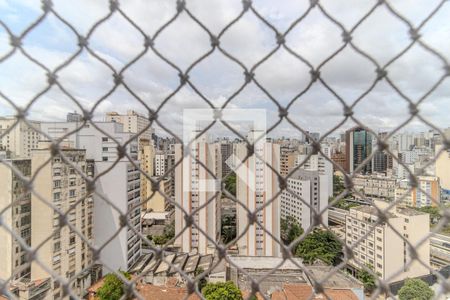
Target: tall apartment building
x,y
194,187
380,162
132,122
160,163
287,160
311,196
61,185
375,186
383,249
319,163
15,204
226,148
340,158
120,185
430,185
18,139
358,143
256,185
146,157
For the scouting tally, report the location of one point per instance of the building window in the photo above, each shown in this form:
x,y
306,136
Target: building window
x,y
72,193
104,139
56,196
57,183
104,158
105,149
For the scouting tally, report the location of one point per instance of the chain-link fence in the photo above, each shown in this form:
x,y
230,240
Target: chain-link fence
x,y
68,215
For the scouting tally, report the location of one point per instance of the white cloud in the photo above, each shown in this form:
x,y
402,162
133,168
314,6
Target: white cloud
x,y
382,36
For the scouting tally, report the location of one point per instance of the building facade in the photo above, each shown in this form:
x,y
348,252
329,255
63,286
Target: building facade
x,y
358,143
18,139
196,187
256,185
383,249
119,186
64,187
15,204
428,193
132,122
443,170
309,197
375,186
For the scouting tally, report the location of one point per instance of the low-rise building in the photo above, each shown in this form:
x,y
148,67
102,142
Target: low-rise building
x,y
375,186
381,247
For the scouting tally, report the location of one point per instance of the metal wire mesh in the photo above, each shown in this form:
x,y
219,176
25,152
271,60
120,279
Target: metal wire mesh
x,y
150,44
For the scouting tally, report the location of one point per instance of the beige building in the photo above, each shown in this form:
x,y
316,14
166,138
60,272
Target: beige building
x,y
430,185
443,168
403,195
383,249
194,187
18,139
132,122
146,157
287,161
157,202
375,186
60,184
15,208
257,184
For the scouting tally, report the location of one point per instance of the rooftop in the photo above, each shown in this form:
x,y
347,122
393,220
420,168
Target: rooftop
x,y
338,280
264,262
303,291
155,216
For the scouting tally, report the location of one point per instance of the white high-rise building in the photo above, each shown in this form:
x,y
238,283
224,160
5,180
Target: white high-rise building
x,y
18,139
194,187
319,163
256,185
311,195
120,185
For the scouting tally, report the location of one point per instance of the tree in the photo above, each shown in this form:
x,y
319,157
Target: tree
x,y
168,234
202,281
112,288
343,204
435,214
290,230
230,183
320,244
222,291
228,230
415,289
367,279
338,185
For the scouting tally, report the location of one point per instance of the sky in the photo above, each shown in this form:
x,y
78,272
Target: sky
x,y
217,77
